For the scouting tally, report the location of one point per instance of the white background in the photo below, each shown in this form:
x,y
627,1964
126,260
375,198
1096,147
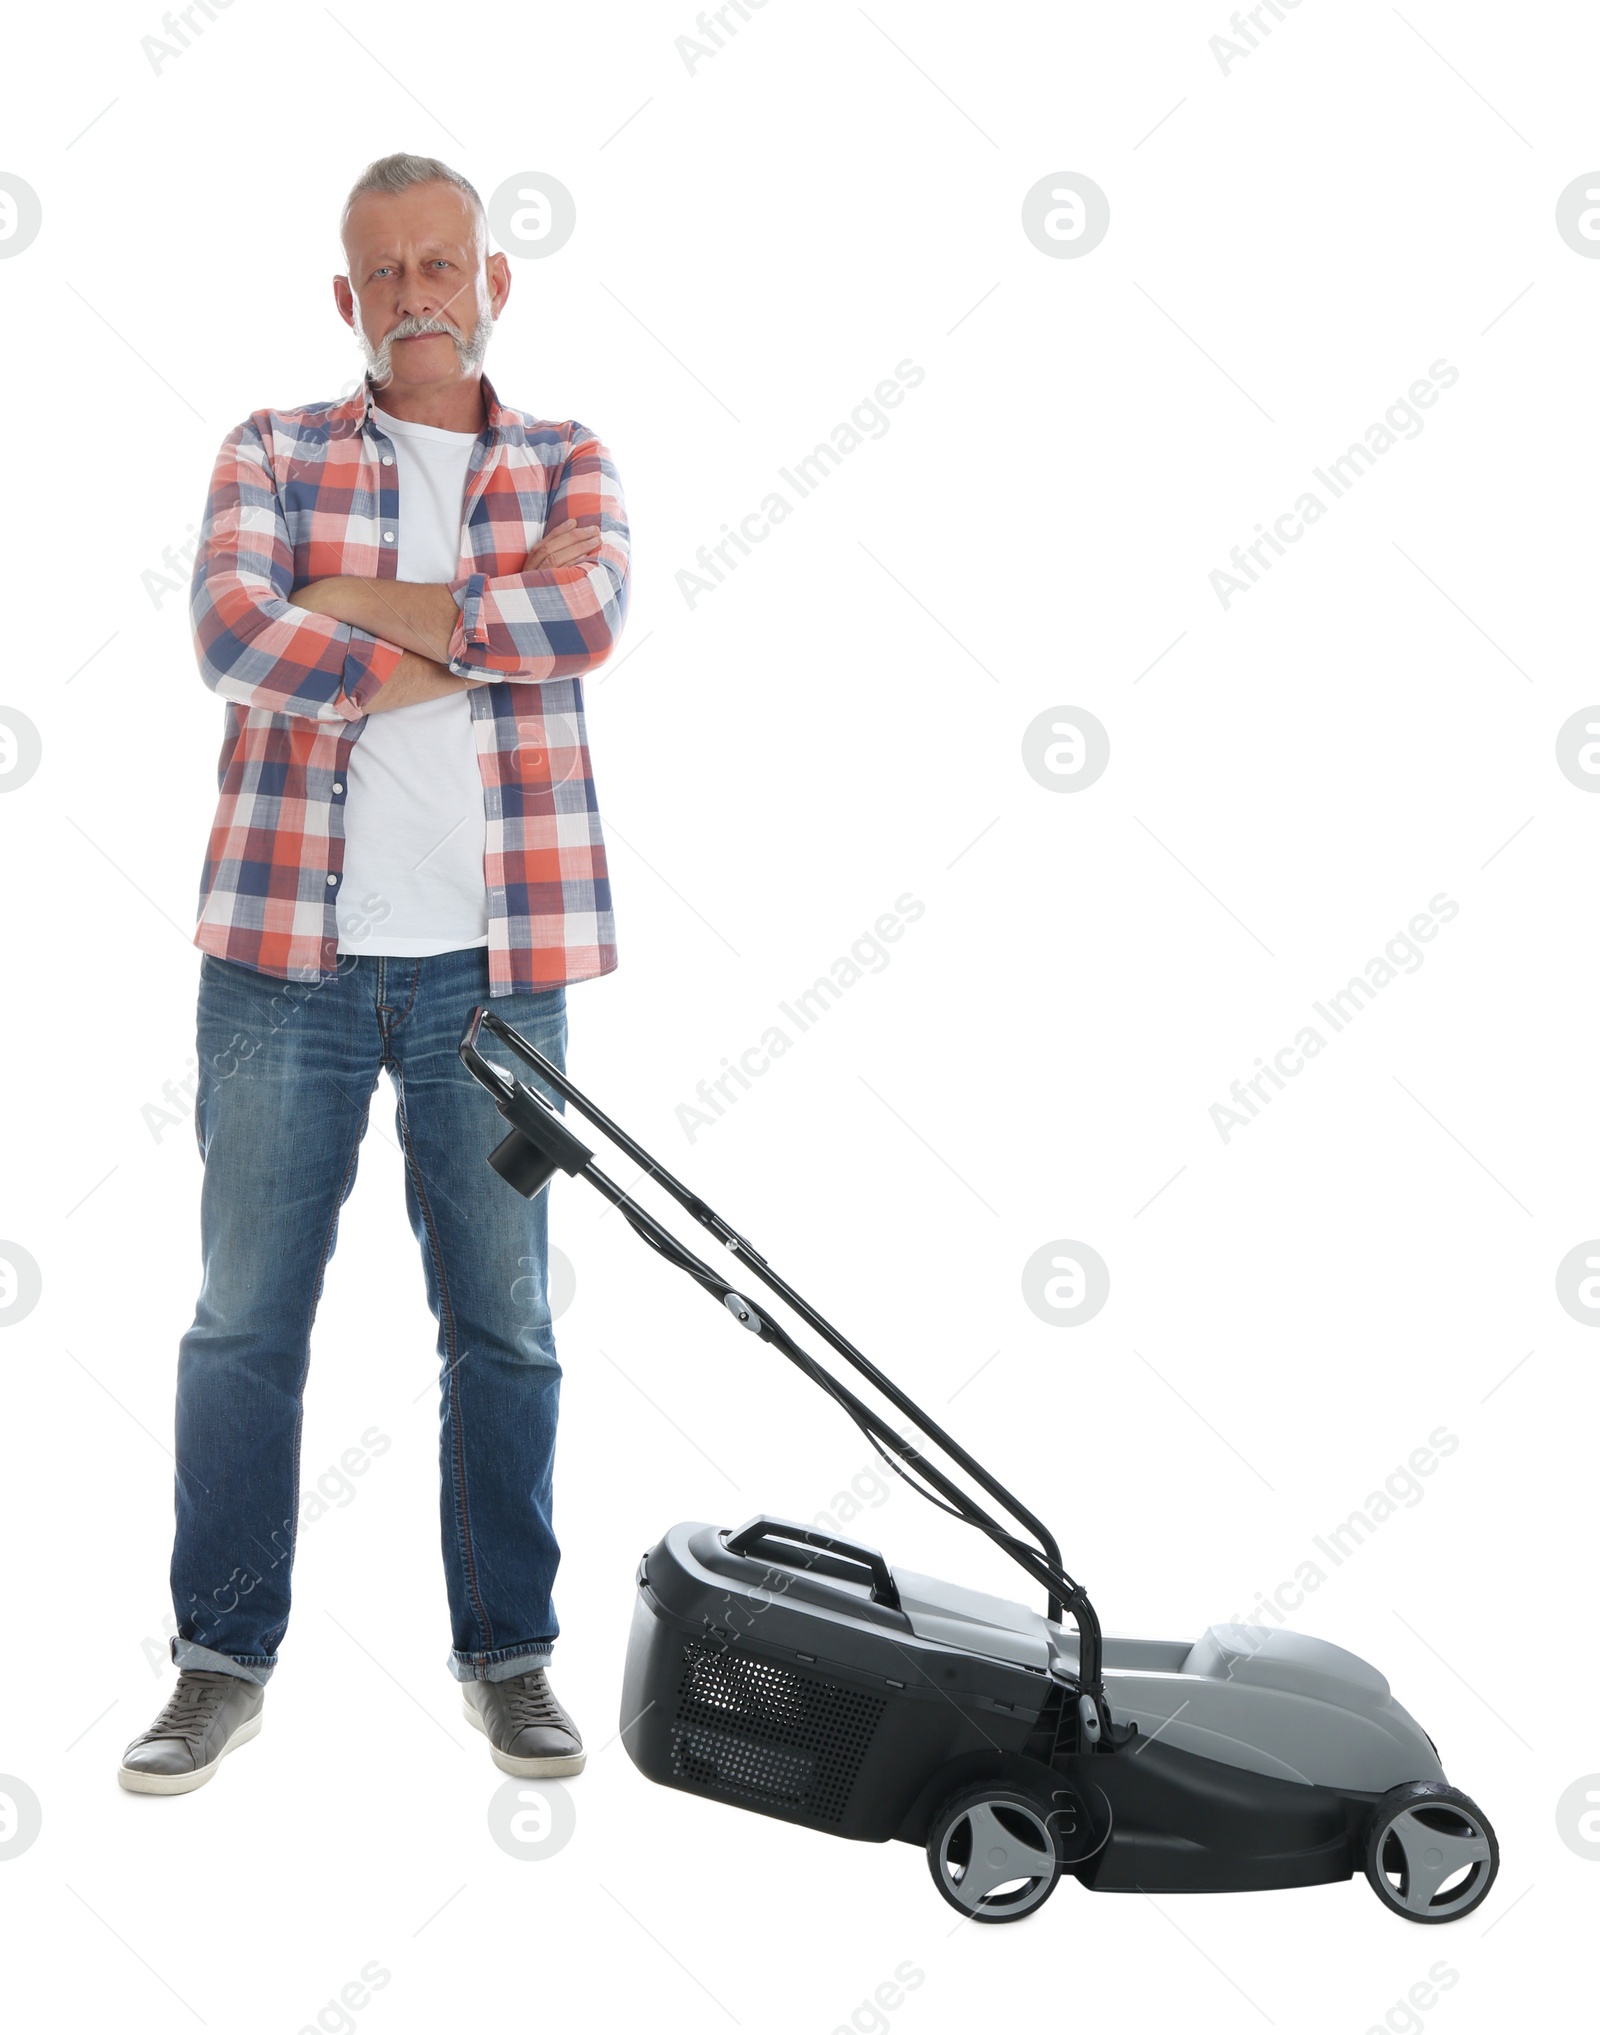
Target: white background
x,y
1292,778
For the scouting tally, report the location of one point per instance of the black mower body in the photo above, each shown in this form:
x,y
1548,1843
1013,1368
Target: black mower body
x,y
761,1684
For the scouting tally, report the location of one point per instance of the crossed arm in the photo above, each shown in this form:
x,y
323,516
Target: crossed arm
x,y
419,617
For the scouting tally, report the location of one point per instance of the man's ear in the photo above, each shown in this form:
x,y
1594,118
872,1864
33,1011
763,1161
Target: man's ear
x,y
499,272
344,298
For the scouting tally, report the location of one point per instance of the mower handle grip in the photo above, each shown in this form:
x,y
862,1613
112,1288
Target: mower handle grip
x,y
852,1555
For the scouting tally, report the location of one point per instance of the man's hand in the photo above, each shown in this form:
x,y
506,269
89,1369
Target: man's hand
x,y
566,545
414,679
418,616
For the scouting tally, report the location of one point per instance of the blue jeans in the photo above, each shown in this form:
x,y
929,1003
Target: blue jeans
x,y
287,1076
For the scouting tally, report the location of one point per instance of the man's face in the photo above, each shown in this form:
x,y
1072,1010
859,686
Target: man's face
x,y
420,295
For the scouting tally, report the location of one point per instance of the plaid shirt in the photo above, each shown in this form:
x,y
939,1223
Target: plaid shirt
x,y
313,493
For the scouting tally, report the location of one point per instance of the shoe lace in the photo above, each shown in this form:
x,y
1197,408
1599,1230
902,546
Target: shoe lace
x,y
190,1709
529,1699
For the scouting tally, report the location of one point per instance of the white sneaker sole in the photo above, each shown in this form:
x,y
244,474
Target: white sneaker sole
x,y
551,1767
138,1783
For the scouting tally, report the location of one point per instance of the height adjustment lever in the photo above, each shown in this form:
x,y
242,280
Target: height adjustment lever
x,y
742,1312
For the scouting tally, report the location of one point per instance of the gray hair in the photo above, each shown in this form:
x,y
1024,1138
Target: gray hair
x,y
392,173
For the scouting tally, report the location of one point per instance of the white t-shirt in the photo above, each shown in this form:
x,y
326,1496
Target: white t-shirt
x,y
414,824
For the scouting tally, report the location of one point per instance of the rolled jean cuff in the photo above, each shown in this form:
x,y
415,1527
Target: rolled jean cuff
x,y
186,1653
500,1667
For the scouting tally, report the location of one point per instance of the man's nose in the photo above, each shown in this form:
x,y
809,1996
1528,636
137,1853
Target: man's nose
x,y
418,297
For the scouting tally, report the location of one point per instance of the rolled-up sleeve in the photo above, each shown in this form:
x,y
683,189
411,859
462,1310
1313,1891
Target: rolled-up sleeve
x,y
252,646
557,622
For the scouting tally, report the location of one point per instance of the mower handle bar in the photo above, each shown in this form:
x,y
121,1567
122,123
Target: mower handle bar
x,y
537,1124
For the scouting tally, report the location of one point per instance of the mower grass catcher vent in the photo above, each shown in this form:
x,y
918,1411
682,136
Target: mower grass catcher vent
x,y
766,1735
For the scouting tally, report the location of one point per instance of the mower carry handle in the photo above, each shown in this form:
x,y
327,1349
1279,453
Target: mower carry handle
x,y
853,1557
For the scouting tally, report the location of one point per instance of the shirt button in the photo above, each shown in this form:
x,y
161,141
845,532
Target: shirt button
x,y
331,877
338,790
388,536
388,459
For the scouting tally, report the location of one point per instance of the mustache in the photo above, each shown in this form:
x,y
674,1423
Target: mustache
x,y
416,328
469,347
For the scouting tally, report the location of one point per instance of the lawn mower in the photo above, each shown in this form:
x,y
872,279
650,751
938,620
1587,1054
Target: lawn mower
x,y
790,1671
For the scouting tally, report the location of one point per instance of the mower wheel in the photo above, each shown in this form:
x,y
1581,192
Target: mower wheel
x,y
1431,1853
992,1853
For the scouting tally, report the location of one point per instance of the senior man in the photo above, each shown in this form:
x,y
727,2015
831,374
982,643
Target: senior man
x,y
397,595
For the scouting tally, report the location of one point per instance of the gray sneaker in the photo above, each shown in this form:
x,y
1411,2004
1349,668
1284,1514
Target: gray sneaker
x,y
528,1731
206,1716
